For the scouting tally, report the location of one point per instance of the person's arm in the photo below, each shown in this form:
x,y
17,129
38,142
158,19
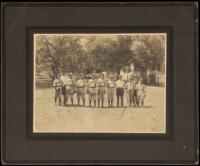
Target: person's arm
x,y
124,85
136,86
107,84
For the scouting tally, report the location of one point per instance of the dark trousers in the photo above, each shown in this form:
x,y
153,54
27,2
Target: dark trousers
x,y
133,97
120,96
58,93
64,95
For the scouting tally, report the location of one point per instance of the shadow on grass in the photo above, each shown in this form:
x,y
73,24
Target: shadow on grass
x,y
87,106
148,106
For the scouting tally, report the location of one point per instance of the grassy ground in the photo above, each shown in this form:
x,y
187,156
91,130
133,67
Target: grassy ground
x,y
49,117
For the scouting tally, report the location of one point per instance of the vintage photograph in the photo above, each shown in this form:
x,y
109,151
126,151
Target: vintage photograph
x,y
99,83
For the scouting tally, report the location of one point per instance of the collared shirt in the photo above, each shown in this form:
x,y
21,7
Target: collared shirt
x,y
64,79
92,83
70,81
57,83
111,84
120,84
80,83
101,82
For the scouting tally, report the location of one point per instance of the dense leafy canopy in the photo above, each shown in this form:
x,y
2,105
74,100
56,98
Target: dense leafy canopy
x,y
87,54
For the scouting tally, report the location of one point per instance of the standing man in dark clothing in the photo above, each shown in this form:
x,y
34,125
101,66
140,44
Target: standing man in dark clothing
x,y
120,90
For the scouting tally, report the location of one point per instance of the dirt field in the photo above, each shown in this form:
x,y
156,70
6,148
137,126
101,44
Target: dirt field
x,y
49,117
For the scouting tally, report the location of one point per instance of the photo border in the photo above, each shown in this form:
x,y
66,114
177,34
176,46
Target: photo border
x,y
30,31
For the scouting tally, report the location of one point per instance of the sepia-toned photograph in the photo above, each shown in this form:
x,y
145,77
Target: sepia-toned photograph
x,y
99,83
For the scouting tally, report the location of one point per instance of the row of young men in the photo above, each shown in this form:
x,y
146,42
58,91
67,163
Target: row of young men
x,y
96,88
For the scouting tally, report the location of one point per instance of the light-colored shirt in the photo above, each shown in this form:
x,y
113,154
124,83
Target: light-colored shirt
x,y
140,87
120,84
57,83
70,81
131,85
101,82
80,83
92,83
64,79
111,84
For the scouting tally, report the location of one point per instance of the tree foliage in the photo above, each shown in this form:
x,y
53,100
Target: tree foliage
x,y
87,54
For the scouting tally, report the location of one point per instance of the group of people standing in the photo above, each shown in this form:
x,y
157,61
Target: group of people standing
x,y
66,85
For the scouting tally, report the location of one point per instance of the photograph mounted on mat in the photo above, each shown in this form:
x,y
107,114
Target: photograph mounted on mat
x,y
99,83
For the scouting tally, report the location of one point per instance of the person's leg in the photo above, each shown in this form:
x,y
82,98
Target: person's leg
x,y
122,101
55,96
64,96
139,101
72,99
60,101
132,98
122,97
98,98
94,97
118,101
112,97
142,101
117,93
59,97
109,97
83,98
129,96
78,97
102,99
136,99
90,100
